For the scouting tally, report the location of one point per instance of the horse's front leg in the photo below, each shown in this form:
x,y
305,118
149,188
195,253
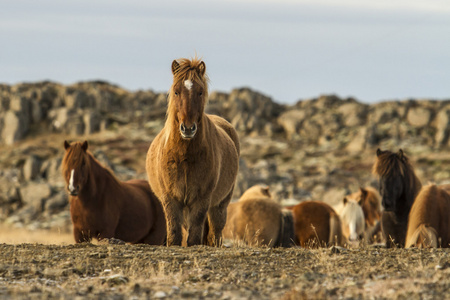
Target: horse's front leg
x,y
393,230
196,221
81,236
173,210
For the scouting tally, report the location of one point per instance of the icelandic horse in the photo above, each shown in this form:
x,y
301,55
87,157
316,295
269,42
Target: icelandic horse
x,y
103,207
399,186
370,201
429,219
258,220
352,219
193,162
316,224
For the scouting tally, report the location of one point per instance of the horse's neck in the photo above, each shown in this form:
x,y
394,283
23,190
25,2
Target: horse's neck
x,y
409,195
99,180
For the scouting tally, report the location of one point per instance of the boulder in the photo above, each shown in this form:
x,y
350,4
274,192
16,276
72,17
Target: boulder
x,y
419,116
92,121
14,127
31,168
443,128
35,194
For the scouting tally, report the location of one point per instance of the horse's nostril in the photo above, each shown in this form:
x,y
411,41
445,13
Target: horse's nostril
x,y
182,127
194,127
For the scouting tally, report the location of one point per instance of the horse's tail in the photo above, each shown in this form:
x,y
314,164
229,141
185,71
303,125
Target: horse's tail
x,y
336,236
286,232
423,237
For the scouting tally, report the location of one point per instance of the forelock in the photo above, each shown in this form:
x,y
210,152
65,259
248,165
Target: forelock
x,y
389,163
188,70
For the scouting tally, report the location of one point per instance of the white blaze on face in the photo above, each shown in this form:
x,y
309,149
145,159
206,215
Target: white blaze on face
x,y
188,84
352,229
71,187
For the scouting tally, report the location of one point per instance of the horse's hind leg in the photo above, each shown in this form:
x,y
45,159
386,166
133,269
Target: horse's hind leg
x,y
196,223
217,218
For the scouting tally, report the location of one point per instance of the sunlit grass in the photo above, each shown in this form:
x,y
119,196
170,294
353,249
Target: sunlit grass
x,y
11,235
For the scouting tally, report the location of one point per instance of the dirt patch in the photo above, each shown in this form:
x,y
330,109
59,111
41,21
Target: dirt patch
x,y
141,271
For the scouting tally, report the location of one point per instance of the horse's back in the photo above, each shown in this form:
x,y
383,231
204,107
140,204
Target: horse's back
x,y
225,146
144,212
255,221
312,222
430,209
227,128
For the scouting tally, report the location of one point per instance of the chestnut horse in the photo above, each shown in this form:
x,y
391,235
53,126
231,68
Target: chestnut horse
x,y
316,224
352,219
370,201
192,163
103,207
399,187
429,220
257,220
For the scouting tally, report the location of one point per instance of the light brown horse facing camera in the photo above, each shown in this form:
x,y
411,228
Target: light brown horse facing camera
x,y
258,220
370,201
316,224
352,219
429,219
103,207
192,163
399,186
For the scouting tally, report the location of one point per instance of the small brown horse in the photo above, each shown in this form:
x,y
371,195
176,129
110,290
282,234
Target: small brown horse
x,y
370,201
103,207
192,163
257,220
316,224
429,220
399,187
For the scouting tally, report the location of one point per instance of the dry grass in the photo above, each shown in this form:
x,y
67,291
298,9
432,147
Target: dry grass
x,y
11,235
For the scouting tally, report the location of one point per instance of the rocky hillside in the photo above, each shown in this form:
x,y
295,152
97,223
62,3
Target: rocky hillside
x,y
318,148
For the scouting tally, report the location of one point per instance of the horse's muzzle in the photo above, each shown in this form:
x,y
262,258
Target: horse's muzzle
x,y
73,192
188,132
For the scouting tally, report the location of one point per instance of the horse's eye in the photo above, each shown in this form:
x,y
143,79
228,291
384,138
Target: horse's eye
x,y
200,94
176,94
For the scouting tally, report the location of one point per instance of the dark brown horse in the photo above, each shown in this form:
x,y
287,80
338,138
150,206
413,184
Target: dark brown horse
x,y
103,207
258,220
316,224
192,163
429,219
399,187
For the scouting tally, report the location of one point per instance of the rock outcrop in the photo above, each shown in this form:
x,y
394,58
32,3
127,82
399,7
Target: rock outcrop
x,y
319,148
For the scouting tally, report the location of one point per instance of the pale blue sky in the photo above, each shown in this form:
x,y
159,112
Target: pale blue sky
x,y
289,50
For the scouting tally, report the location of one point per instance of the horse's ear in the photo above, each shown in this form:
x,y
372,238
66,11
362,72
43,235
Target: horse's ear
x,y
400,154
363,191
266,191
84,146
202,68
175,67
378,152
66,145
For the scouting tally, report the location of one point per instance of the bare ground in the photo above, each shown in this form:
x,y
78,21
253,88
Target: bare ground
x,y
121,271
